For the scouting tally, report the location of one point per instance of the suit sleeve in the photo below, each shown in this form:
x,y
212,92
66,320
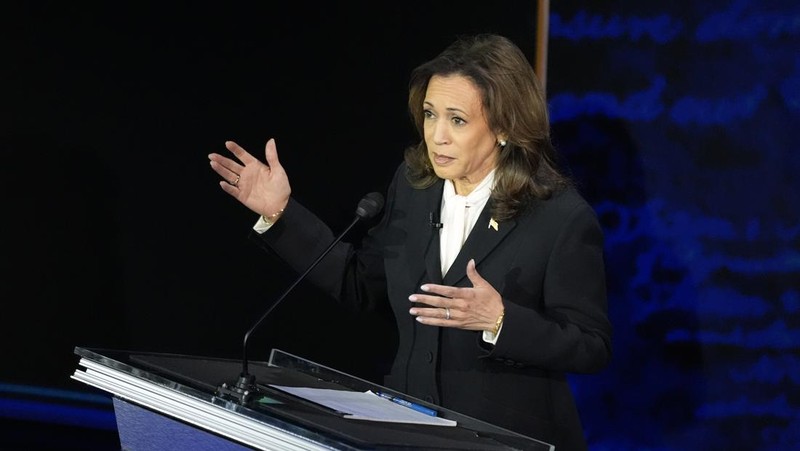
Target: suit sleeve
x,y
352,273
571,333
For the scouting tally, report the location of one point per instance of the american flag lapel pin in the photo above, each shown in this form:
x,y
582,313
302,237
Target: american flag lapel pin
x,y
493,224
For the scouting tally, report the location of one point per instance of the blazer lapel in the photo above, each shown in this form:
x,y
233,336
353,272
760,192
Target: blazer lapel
x,y
483,238
424,241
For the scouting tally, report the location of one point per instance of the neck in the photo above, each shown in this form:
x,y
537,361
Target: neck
x,y
464,186
463,189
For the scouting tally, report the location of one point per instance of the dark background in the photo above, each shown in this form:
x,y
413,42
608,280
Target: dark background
x,y
120,230
677,121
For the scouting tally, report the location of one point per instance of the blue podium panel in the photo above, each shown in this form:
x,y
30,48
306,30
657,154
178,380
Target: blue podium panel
x,y
141,429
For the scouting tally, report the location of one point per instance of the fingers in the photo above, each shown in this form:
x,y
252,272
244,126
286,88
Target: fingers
x,y
457,292
229,177
231,170
227,168
435,316
468,308
433,301
433,306
233,190
438,291
228,172
472,274
239,152
271,154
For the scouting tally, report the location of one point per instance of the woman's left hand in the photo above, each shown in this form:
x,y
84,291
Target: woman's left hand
x,y
470,308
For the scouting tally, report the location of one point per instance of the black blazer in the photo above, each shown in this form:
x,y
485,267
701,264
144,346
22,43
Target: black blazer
x,y
548,265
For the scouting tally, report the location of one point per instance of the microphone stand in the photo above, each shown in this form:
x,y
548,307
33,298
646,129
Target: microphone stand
x,y
245,387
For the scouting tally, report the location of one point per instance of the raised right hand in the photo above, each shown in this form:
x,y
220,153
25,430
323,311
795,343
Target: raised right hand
x,y
263,188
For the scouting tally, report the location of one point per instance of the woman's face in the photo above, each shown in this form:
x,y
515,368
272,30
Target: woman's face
x,y
461,146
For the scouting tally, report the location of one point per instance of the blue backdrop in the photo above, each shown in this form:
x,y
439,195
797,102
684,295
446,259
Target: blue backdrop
x,y
680,122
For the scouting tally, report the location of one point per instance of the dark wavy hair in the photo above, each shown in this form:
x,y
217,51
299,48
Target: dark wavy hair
x,y
514,105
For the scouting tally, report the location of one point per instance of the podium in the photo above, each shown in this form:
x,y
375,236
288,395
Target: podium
x,y
170,401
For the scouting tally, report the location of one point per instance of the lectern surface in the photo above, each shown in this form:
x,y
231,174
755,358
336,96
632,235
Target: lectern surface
x,y
199,378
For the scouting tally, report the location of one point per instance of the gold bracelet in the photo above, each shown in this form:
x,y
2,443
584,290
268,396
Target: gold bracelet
x,y
272,218
499,322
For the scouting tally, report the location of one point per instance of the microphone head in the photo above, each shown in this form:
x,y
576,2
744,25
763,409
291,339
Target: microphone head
x,y
369,206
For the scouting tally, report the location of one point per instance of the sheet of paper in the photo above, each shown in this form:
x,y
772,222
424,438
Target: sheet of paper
x,y
364,406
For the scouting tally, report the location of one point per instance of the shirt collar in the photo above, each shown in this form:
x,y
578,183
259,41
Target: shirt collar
x,y
480,194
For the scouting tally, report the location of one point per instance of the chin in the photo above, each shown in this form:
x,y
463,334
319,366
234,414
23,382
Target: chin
x,y
441,173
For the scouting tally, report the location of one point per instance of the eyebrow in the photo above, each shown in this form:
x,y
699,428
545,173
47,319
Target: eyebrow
x,y
448,109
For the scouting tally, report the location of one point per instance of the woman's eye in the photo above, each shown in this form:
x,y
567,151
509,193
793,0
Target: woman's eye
x,y
459,121
427,114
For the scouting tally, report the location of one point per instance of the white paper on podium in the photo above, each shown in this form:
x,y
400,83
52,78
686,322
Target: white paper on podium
x,y
364,406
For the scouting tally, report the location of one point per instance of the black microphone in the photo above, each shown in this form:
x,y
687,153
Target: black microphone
x,y
245,387
433,224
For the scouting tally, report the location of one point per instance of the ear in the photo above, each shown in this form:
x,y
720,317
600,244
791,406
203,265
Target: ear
x,y
502,140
